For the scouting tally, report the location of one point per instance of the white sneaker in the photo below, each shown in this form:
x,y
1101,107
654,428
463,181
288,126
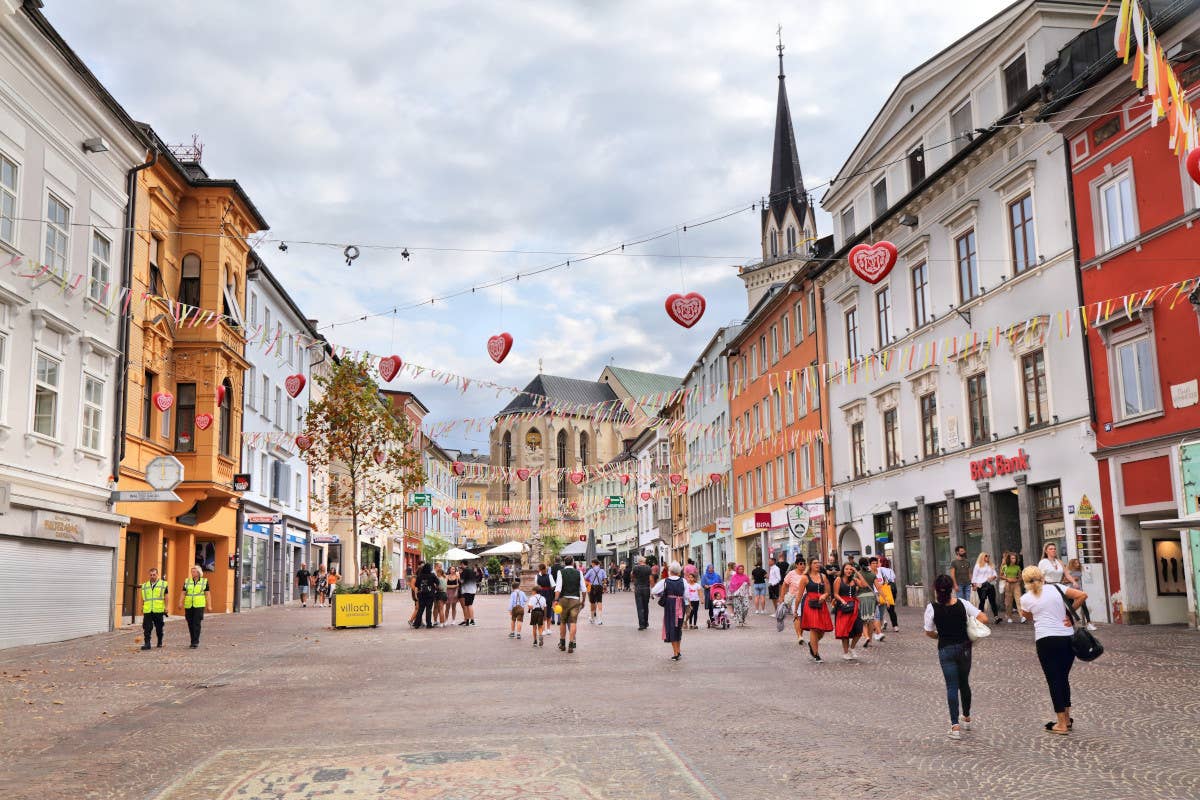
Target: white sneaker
x,y
847,657
1022,620
966,723
1091,627
955,733
853,654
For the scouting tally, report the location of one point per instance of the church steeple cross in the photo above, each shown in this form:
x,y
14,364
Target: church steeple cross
x,y
779,47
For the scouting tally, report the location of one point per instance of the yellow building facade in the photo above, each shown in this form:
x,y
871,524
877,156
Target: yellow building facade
x,y
185,370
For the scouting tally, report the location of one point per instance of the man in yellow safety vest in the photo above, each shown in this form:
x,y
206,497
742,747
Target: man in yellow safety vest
x,y
195,601
154,607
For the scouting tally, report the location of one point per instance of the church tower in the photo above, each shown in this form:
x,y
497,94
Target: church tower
x,y
789,225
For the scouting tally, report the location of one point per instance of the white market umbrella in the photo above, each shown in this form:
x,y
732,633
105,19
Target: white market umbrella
x,y
506,549
457,554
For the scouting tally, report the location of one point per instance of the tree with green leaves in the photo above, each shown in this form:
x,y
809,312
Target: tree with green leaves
x,y
366,447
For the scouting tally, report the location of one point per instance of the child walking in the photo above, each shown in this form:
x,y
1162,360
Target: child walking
x,y
537,618
516,612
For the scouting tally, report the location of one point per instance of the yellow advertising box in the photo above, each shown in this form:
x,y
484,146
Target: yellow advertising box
x,y
357,610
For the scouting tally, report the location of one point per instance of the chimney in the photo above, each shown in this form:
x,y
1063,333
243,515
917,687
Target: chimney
x,y
474,452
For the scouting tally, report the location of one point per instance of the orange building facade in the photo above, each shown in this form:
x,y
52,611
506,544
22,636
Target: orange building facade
x,y
190,253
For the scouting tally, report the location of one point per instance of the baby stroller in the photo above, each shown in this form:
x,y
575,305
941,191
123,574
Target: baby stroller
x,y
719,618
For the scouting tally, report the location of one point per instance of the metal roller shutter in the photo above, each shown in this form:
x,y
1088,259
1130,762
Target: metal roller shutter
x,y
53,591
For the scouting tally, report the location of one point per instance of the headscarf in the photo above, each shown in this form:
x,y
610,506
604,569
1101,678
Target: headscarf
x,y
710,577
739,579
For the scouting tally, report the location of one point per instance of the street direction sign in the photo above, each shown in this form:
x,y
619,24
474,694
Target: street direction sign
x,y
156,496
616,501
422,499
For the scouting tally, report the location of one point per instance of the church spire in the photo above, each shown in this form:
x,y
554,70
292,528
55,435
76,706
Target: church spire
x,y
787,183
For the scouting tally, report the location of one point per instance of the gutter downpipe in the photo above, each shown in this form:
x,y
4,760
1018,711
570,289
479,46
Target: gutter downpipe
x,y
123,333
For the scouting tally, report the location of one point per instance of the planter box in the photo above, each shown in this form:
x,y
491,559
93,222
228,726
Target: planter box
x,y
357,610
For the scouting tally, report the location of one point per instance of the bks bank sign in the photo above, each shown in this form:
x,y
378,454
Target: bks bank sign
x,y
994,466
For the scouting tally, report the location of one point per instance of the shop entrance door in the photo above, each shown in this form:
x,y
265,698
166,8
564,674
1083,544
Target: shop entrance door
x,y
129,583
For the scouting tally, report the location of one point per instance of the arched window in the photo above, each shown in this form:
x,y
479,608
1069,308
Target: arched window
x,y
226,415
506,454
583,449
189,280
774,243
791,240
561,463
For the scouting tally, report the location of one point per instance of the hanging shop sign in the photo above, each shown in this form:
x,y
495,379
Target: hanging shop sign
x,y
264,519
241,482
997,465
798,520
1085,509
326,540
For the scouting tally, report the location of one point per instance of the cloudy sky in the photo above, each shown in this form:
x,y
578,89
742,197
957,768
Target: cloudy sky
x,y
559,127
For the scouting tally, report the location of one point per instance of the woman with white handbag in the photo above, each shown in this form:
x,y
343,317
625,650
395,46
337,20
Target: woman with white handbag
x,y
949,620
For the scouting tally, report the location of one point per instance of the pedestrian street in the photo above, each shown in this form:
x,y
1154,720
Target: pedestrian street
x,y
275,704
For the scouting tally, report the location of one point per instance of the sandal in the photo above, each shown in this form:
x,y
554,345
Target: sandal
x,y
1050,729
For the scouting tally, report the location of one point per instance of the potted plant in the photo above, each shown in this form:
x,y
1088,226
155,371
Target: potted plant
x,y
357,606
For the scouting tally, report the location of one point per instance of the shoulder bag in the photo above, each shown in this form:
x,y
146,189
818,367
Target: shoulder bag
x,y
976,630
1086,646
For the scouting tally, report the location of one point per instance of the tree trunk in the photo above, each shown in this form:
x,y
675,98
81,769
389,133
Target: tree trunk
x,y
352,561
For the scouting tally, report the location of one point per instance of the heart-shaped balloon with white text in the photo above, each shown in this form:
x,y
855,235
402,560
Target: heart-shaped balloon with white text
x,y
674,478
163,400
872,262
576,478
522,474
499,345
303,441
203,421
624,479
645,495
389,367
294,384
458,467
686,309
714,477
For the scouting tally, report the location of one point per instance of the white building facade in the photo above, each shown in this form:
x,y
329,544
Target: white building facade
x,y
66,154
985,441
276,534
707,424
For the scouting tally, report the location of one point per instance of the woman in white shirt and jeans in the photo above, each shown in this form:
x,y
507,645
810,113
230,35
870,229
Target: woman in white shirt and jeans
x,y
1052,632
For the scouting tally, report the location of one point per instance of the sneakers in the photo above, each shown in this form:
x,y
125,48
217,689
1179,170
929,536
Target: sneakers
x,y
464,622
146,646
966,723
955,733
1022,620
847,657
472,622
599,621
512,635
518,636
1091,627
571,648
853,654
877,637
816,659
562,644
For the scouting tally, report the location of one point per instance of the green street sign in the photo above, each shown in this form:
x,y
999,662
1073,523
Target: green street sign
x,y
422,499
615,501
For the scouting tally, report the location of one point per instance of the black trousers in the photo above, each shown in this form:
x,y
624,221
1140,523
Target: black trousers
x,y
987,594
1057,657
641,598
153,620
424,606
693,611
195,617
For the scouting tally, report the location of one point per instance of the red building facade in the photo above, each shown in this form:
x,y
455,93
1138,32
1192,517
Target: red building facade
x,y
1136,215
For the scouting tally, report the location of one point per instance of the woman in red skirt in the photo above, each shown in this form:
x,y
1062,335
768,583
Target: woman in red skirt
x,y
848,627
814,614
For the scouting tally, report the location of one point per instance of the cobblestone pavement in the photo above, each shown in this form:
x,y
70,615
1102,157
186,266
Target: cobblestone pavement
x,y
277,705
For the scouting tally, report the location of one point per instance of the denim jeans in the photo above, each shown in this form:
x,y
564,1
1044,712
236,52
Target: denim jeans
x,y
956,669
964,591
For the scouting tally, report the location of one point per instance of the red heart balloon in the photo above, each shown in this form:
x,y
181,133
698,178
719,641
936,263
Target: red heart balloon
x,y
683,488
577,478
608,501
303,441
522,474
454,514
674,478
219,393
686,309
458,467
872,262
507,511
389,366
294,384
574,505
499,345
434,510
163,400
1193,164
715,477
645,495
449,509
203,421
624,480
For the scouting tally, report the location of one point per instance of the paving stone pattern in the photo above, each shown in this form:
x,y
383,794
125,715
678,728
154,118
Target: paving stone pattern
x,y
276,705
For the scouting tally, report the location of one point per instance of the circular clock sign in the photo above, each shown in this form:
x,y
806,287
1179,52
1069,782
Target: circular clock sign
x,y
164,473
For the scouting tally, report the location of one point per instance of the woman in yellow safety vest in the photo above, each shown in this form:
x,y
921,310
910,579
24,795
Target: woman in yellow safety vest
x,y
194,602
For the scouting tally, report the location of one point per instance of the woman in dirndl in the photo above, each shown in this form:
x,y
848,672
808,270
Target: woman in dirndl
x,y
848,626
670,593
814,605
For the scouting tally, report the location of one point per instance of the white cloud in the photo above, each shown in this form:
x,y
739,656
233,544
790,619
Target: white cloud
x,y
539,126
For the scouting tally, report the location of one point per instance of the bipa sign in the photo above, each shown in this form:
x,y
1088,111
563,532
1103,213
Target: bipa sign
x,y
993,466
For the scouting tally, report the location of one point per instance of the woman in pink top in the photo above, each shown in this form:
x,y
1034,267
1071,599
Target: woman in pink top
x,y
739,591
